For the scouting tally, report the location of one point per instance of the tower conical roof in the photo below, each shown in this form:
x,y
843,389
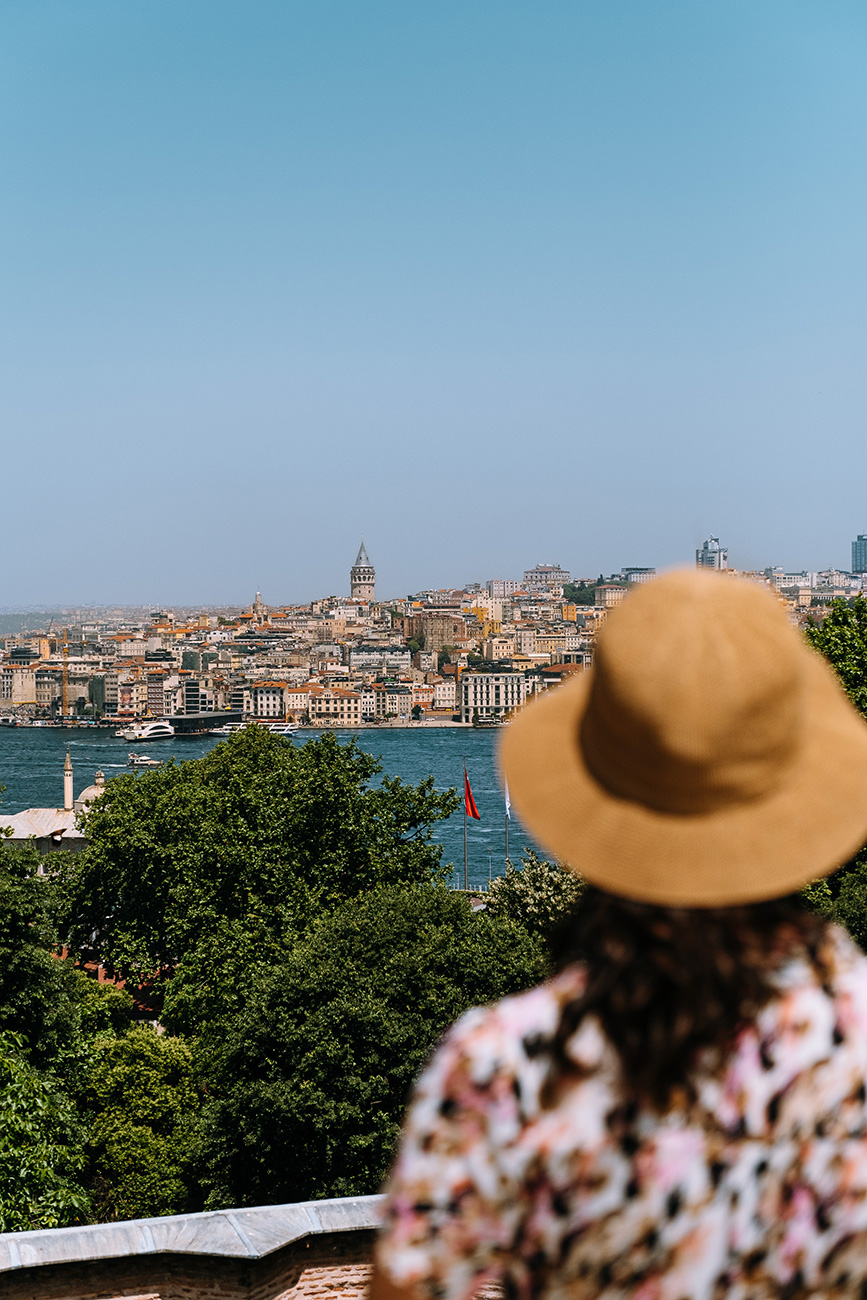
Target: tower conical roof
x,y
361,559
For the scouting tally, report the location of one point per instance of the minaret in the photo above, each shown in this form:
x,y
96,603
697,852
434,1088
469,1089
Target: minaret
x,y
362,577
67,784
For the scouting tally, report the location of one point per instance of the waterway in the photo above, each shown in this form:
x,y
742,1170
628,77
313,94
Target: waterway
x,y
31,768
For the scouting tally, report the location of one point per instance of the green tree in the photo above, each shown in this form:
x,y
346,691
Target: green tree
x,y
538,895
445,656
842,638
40,1147
38,993
307,1089
138,1097
582,593
238,852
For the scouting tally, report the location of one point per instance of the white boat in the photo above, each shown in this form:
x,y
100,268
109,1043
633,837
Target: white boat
x,y
147,731
282,728
142,760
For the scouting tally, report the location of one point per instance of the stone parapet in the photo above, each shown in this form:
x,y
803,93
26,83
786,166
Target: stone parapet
x,y
311,1250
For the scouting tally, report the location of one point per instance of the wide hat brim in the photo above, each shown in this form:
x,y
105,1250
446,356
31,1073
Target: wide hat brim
x,y
814,819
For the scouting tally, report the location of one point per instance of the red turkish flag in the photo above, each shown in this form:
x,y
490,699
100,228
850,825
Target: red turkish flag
x,y
469,802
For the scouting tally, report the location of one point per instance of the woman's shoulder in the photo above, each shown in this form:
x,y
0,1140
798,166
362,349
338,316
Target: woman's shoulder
x,y
504,1037
532,1013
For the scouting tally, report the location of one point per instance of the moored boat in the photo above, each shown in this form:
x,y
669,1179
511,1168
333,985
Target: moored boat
x,y
140,731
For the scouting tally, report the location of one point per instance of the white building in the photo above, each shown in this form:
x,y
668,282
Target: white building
x,y
269,699
502,588
444,695
712,555
545,576
491,695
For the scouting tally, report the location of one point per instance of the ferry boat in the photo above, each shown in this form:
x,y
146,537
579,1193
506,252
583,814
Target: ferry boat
x,y
142,760
140,731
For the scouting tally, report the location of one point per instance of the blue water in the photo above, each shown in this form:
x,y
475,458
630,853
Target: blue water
x,y
31,768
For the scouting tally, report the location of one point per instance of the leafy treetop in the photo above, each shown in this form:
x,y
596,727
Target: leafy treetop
x,y
242,848
842,638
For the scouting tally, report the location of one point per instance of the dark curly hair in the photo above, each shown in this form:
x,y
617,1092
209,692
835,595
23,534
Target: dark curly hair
x,y
667,983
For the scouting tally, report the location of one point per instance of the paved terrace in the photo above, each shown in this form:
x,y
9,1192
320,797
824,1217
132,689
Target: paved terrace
x,y
312,1250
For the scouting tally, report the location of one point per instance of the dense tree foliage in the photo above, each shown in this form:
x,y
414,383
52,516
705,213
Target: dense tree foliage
x,y
38,993
240,851
581,593
40,1146
139,1100
842,638
282,910
308,1089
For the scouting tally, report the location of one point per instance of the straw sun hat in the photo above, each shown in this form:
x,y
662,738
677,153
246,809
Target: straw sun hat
x,y
708,758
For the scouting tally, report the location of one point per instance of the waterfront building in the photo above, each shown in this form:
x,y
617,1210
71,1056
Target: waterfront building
x,y
268,699
445,694
362,577
859,554
17,684
393,700
491,695
712,555
335,707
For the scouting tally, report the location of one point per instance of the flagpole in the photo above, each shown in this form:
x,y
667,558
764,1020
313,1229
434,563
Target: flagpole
x,y
466,860
507,806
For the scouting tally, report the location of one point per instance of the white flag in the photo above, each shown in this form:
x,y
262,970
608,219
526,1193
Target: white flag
x,y
508,802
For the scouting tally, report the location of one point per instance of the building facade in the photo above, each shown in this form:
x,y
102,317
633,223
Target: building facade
x,y
545,576
362,577
491,695
859,554
712,555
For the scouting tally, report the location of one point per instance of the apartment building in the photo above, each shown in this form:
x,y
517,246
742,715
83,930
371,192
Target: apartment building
x,y
491,695
335,707
268,699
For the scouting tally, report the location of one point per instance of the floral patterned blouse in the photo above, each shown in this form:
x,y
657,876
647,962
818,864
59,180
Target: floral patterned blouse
x,y
758,1189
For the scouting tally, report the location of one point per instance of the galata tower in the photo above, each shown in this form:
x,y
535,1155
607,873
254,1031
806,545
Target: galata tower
x,y
362,577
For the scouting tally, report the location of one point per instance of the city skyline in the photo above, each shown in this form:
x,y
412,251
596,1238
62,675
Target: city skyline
x,y
362,579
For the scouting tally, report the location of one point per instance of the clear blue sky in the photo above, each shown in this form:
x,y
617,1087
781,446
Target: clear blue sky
x,y
489,283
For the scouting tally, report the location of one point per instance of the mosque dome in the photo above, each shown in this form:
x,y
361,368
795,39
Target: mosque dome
x,y
91,792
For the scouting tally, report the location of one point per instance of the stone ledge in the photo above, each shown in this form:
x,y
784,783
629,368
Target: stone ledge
x,y
249,1234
